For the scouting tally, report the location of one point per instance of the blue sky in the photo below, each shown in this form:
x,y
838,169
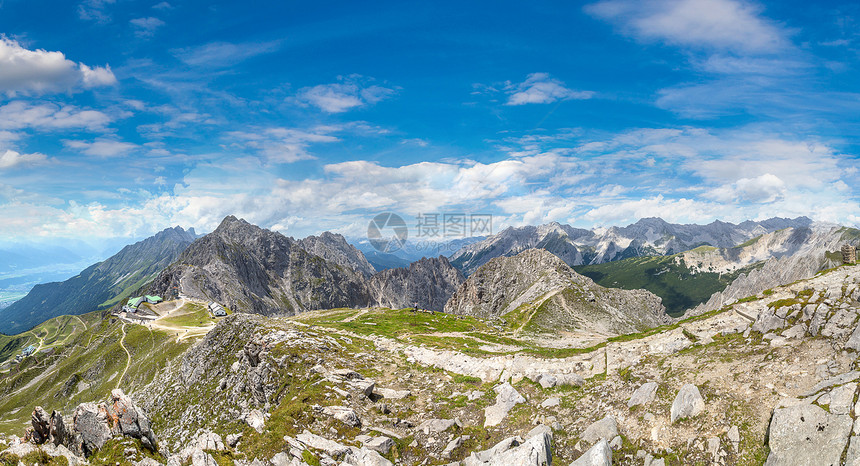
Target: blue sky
x,y
119,118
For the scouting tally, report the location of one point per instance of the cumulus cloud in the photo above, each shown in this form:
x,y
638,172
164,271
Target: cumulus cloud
x,y
714,24
283,145
24,71
47,116
761,189
10,158
351,92
101,147
541,88
146,27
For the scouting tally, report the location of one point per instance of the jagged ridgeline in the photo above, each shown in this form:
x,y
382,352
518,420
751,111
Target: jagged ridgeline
x,y
254,270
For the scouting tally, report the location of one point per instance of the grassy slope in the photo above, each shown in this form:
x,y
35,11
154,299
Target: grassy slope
x,y
660,275
84,367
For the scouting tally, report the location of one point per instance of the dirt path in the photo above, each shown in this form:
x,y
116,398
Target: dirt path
x,y
128,363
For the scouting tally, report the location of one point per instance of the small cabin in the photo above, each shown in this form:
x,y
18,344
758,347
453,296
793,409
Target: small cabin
x,y
216,309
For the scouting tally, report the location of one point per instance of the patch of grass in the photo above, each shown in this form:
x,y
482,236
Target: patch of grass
x,y
783,303
190,315
457,378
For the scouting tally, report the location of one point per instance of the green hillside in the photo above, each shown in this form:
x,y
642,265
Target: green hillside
x,y
99,286
674,282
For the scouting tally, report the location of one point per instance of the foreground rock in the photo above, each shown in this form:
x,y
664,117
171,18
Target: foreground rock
x,y
688,403
536,451
506,398
807,434
598,455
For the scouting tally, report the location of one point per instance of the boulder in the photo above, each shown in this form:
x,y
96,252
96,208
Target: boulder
x,y
852,458
536,451
60,435
91,422
380,444
688,403
129,420
435,426
210,441
365,457
767,321
201,458
256,419
506,398
605,428
550,402
330,447
343,414
854,340
598,455
643,395
807,434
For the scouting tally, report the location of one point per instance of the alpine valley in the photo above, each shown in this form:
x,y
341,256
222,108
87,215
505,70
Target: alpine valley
x,y
653,343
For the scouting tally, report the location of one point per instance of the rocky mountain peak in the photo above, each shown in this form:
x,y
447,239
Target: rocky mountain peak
x,y
427,283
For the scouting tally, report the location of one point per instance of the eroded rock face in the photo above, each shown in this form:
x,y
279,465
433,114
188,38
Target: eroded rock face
x,y
91,423
807,434
427,283
94,424
537,280
41,422
598,455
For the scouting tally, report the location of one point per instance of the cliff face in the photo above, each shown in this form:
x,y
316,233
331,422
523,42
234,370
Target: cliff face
x,y
427,283
263,272
537,290
334,248
99,286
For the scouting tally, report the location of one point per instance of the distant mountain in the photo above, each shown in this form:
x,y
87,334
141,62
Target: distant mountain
x,y
413,249
99,286
536,291
647,237
382,261
427,283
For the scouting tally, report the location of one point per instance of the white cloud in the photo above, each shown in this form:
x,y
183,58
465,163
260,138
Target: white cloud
x,y
25,71
761,189
146,27
541,88
283,145
101,147
95,10
10,158
713,24
162,6
223,54
47,116
352,92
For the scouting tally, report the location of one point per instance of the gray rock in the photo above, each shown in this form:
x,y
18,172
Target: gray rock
x,y
210,441
256,419
550,402
643,395
854,340
343,414
547,380
233,439
605,428
767,321
852,458
435,426
281,459
570,379
365,457
734,437
390,394
688,403
380,444
536,451
842,398
91,422
506,398
806,434
330,447
598,455
201,458
452,445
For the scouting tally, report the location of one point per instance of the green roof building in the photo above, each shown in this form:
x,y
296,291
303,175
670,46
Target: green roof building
x,y
153,299
135,302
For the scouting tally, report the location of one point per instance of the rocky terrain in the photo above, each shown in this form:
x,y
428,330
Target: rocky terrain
x,y
426,283
101,285
539,292
771,378
255,270
648,236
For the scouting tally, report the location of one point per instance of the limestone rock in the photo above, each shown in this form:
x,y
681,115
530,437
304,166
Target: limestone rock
x,y
536,451
643,395
256,419
688,403
435,426
506,398
201,458
380,444
130,420
606,428
41,422
365,457
330,447
343,414
598,455
210,441
91,422
806,434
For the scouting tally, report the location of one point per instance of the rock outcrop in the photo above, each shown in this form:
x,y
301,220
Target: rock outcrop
x,y
426,284
537,289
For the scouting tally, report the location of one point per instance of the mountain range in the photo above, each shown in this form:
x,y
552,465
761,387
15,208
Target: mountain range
x,y
647,237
